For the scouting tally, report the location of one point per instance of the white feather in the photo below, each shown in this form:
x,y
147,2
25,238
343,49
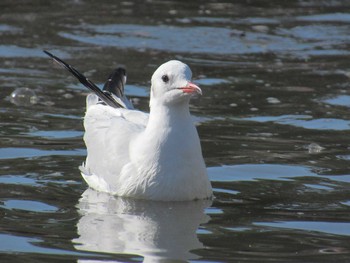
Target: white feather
x,y
154,156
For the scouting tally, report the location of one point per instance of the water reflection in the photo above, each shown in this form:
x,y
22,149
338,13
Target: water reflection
x,y
153,230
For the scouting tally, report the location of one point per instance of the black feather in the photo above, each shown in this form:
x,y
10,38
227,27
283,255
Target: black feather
x,y
116,81
104,96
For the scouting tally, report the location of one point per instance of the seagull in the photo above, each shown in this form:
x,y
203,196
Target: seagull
x,y
130,153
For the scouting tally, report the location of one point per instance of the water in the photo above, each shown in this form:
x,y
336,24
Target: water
x,y
273,120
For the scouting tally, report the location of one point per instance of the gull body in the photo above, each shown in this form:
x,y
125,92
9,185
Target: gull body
x,y
155,156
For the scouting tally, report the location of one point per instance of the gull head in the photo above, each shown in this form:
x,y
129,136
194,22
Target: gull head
x,y
171,83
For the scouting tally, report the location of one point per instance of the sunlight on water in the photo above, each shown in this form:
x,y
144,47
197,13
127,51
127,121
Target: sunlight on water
x,y
273,121
342,100
11,153
306,122
28,205
325,227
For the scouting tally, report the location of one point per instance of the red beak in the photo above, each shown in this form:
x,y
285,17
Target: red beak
x,y
191,88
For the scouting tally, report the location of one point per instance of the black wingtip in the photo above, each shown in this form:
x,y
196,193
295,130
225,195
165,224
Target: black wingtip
x,y
59,61
116,82
108,99
50,54
47,53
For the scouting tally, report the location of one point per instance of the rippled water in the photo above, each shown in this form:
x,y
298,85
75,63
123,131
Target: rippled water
x,y
273,119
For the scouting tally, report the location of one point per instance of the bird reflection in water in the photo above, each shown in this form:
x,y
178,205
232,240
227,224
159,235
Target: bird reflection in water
x,y
154,230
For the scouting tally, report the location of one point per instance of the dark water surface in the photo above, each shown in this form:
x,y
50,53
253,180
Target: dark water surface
x,y
274,121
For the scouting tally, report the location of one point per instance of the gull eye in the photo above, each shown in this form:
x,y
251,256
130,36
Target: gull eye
x,y
165,78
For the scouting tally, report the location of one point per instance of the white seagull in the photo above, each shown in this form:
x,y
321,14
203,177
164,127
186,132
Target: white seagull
x,y
155,156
